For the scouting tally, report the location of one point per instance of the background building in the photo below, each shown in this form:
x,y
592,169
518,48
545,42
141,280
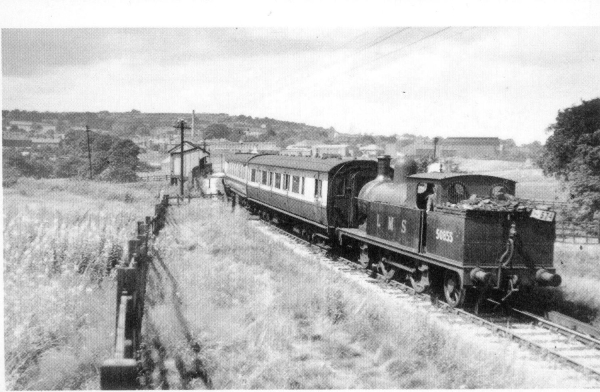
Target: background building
x,y
331,150
194,162
371,151
470,147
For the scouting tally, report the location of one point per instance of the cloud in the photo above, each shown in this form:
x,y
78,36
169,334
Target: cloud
x,y
33,51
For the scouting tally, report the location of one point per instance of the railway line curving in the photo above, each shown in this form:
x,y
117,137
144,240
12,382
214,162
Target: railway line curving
x,y
550,340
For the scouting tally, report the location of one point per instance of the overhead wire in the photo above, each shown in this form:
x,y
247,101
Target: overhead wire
x,y
377,41
393,34
374,43
402,48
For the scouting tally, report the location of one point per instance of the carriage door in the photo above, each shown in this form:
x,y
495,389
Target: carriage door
x,y
318,213
342,196
357,181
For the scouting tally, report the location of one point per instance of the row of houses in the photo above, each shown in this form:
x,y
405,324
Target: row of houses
x,y
24,142
308,148
29,126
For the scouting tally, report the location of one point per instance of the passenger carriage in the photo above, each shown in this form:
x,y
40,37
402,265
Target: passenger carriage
x,y
314,194
235,169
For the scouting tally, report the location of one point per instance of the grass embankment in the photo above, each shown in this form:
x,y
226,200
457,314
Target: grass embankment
x,y
59,305
579,292
267,317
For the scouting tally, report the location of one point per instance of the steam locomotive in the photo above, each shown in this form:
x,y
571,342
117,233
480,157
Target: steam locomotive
x,y
417,227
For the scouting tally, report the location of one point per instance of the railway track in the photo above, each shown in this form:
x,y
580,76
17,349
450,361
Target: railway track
x,y
566,345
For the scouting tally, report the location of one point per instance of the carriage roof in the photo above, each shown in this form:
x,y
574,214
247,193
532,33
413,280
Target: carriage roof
x,y
303,163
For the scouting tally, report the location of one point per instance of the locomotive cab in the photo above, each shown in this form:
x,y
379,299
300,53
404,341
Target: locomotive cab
x,y
454,187
476,222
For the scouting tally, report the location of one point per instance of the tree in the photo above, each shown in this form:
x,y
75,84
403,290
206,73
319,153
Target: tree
x,y
70,167
572,153
217,131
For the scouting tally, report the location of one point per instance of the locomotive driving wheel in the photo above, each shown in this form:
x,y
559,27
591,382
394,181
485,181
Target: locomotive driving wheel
x,y
453,289
363,256
419,280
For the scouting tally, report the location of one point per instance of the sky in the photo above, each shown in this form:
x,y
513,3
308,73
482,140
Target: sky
x,y
508,82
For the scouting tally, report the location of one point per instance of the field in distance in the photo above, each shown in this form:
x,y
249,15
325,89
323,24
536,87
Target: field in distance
x,y
531,182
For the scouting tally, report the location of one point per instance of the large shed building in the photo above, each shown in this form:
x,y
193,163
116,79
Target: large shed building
x,y
470,147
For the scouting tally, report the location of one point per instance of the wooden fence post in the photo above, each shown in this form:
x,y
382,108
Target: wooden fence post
x,y
119,373
148,224
132,250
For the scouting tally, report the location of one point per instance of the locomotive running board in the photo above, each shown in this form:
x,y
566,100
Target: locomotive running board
x,y
389,245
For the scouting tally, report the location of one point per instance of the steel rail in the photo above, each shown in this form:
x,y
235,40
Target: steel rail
x,y
494,327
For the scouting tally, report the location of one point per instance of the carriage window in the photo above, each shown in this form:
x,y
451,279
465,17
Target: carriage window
x,y
318,188
295,184
270,178
253,175
264,177
302,185
457,192
278,180
286,182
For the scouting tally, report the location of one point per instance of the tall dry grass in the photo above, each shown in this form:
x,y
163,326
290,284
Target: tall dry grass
x,y
59,303
269,318
579,267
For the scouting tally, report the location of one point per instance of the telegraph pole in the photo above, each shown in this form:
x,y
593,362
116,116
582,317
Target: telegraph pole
x,y
181,124
193,135
87,130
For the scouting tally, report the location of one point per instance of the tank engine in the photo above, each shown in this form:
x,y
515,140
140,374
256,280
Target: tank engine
x,y
450,231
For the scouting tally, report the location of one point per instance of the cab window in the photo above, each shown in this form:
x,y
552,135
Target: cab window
x,y
499,191
425,195
457,192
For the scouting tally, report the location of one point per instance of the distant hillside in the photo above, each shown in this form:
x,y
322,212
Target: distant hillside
x,y
135,123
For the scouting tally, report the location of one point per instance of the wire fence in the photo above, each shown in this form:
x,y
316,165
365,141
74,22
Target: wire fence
x,y
578,232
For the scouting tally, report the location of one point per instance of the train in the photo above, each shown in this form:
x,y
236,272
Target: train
x,y
442,232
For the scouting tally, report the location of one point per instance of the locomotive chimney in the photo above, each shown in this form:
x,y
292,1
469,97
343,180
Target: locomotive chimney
x,y
383,167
